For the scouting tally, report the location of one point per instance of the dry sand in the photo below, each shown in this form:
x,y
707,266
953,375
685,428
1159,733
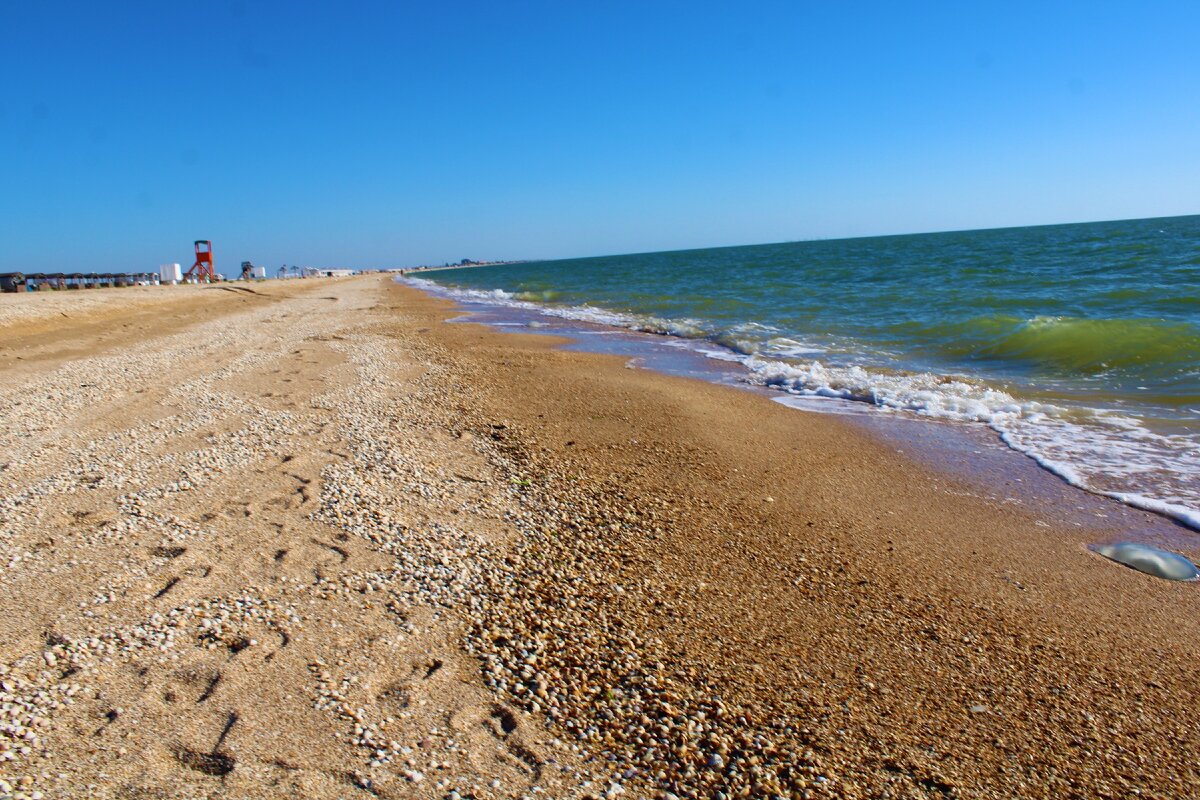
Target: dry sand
x,y
309,541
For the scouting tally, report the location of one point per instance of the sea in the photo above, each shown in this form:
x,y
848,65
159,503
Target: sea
x,y
1077,345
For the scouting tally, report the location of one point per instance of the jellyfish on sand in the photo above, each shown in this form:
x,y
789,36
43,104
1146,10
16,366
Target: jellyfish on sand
x,y
1151,560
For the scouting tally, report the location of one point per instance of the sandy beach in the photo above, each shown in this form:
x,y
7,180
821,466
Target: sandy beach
x,y
305,539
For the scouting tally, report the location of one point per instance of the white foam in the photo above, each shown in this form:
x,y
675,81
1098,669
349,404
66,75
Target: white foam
x,y
924,393
1188,516
1096,450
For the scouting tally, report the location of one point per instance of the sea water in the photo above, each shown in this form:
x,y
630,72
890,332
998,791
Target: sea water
x,y
1078,344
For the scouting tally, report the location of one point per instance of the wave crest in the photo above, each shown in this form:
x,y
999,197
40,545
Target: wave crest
x,y
1076,345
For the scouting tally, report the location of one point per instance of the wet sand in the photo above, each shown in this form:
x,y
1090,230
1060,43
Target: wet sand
x,y
316,542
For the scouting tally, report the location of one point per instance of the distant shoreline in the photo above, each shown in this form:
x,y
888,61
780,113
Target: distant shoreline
x,y
476,265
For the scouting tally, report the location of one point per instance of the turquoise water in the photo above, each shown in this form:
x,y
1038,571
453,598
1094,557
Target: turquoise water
x,y
1079,344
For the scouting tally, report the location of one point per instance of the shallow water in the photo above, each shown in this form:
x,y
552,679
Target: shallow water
x,y
1078,344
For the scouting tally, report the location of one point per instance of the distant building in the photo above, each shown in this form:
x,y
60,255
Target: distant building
x,y
326,272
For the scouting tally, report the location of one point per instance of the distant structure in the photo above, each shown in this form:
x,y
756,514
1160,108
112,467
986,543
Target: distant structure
x,y
318,272
286,271
203,270
59,281
253,273
170,273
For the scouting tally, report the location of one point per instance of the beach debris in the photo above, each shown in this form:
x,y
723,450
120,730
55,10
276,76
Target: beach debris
x,y
1150,560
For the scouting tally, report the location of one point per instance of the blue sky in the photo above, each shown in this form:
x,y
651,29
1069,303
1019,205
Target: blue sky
x,y
392,134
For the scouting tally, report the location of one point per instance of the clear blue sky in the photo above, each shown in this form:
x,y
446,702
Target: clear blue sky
x,y
391,134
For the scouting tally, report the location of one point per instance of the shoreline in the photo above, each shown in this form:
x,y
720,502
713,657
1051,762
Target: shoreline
x,y
666,354
529,566
1132,446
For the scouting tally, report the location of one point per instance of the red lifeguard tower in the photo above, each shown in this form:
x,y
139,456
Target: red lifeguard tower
x,y
202,270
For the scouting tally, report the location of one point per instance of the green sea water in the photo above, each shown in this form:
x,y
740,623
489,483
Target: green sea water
x,y
1079,343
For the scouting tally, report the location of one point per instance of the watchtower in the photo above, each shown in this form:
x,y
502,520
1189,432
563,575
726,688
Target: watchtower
x,y
203,270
